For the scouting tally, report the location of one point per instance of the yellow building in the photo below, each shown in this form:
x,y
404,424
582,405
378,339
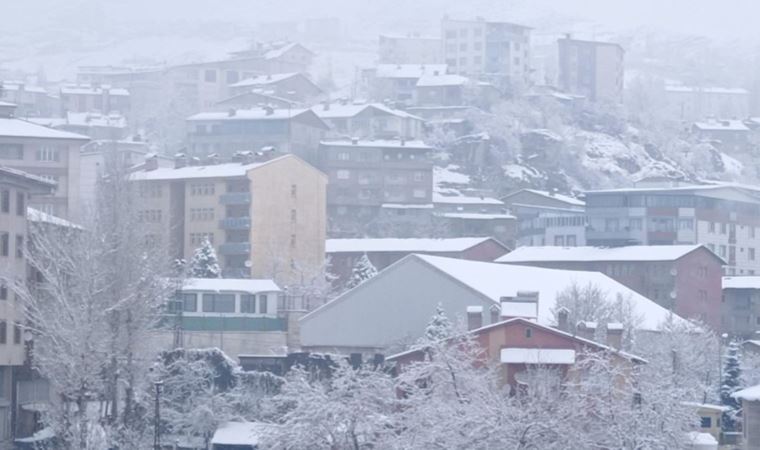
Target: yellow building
x,y
265,219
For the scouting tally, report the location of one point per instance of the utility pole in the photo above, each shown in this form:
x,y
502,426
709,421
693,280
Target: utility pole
x,y
157,418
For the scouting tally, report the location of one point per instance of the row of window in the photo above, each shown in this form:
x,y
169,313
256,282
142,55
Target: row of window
x,y
43,152
221,303
202,189
150,190
569,240
5,202
393,178
670,201
5,245
199,238
149,215
201,214
4,332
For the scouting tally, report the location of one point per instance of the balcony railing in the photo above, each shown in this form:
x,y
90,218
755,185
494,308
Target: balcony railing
x,y
235,248
235,223
235,198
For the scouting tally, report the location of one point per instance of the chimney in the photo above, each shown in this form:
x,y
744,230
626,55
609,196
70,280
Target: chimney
x,y
326,106
563,315
474,317
403,142
354,141
495,311
615,335
231,112
524,305
585,329
151,161
180,160
269,110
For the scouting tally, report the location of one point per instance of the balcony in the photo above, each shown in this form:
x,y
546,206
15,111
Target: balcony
x,y
235,248
235,223
235,198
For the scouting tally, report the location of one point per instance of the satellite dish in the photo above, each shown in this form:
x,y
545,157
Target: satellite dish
x,y
674,271
247,263
673,294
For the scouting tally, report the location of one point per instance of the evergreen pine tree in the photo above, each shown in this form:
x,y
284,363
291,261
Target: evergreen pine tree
x,y
439,326
362,271
730,383
204,263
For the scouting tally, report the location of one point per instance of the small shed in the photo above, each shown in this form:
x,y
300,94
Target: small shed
x,y
237,436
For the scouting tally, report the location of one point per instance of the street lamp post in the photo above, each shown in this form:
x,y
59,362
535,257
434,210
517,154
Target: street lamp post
x,y
157,417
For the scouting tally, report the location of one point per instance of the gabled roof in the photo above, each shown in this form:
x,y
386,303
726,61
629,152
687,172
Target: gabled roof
x,y
263,80
226,170
340,111
464,200
750,394
250,114
26,178
550,195
433,80
549,329
21,128
369,245
632,253
279,51
504,280
229,284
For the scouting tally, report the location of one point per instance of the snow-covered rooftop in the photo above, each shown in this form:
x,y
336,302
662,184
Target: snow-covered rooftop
x,y
465,200
225,170
503,280
443,79
474,215
378,143
709,90
407,205
371,245
26,176
22,128
82,119
249,114
93,90
35,215
721,125
590,254
239,433
263,80
559,197
742,282
751,394
229,284
408,70
348,110
449,175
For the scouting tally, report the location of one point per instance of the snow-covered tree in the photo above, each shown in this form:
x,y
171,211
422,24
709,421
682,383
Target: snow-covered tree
x,y
204,263
439,327
730,383
363,270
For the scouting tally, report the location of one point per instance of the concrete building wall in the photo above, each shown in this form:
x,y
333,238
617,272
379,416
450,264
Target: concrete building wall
x,y
232,343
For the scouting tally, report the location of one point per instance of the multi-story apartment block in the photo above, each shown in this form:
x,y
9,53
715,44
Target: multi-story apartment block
x,y
296,131
237,316
410,49
731,136
102,99
30,101
265,219
369,121
740,310
16,189
685,279
690,103
45,152
723,217
441,90
465,215
496,50
366,176
591,68
547,218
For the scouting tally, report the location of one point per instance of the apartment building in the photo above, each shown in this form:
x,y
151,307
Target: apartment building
x,y
685,279
367,176
47,153
237,316
730,136
409,49
723,217
691,103
293,86
474,215
103,99
265,219
397,82
16,190
441,90
296,131
592,69
547,218
369,121
30,100
499,51
740,310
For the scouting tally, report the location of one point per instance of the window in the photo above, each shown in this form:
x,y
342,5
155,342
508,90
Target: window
x,y
343,174
19,246
559,241
200,238
419,193
528,332
202,189
150,190
344,156
293,216
292,241
209,76
5,201
16,333
11,151
722,251
4,244
3,332
723,228
751,254
463,47
293,190
48,153
248,304
570,241
419,176
3,292
611,224
201,214
752,232
711,227
20,204
685,224
149,215
232,77
706,422
262,304
219,303
190,302
635,224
